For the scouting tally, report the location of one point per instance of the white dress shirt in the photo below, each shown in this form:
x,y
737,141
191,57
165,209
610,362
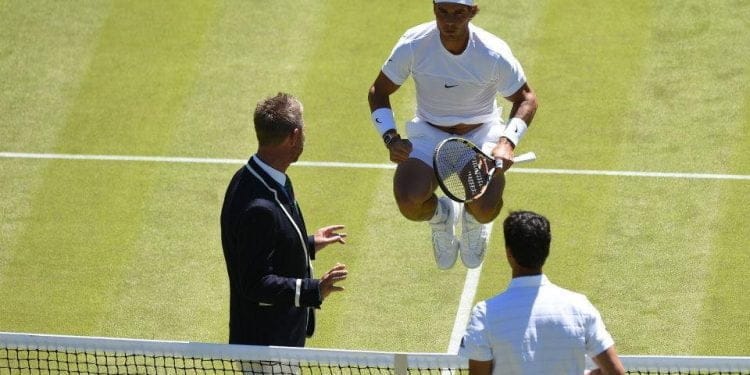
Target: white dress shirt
x,y
277,176
535,327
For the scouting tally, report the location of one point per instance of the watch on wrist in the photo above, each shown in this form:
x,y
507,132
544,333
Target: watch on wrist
x,y
389,137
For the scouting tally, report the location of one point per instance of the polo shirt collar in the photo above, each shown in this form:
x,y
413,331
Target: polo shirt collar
x,y
529,281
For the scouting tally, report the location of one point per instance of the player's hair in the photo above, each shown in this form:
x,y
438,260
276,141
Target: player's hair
x,y
277,117
527,237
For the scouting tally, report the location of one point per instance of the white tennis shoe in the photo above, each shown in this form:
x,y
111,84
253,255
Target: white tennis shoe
x,y
474,238
444,242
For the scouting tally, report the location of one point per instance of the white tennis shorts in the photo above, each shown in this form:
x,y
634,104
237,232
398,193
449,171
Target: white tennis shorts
x,y
425,137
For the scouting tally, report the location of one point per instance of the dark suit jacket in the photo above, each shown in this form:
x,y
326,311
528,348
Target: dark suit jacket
x,y
268,253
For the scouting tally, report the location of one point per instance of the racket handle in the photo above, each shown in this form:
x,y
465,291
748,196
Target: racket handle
x,y
523,158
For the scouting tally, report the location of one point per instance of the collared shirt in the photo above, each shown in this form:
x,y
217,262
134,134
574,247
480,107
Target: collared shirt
x,y
277,176
535,327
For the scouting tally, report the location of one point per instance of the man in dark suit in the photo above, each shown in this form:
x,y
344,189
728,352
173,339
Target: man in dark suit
x,y
266,247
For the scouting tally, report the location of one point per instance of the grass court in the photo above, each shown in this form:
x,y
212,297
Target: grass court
x,y
132,248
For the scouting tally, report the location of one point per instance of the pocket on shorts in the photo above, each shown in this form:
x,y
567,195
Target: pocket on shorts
x,y
423,140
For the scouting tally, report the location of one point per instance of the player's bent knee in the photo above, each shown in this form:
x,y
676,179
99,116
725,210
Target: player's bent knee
x,y
412,191
413,188
415,206
411,197
485,212
410,213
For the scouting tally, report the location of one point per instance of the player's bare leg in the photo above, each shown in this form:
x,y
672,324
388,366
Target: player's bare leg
x,y
414,186
488,206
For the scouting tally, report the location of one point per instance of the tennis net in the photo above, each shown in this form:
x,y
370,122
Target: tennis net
x,y
49,354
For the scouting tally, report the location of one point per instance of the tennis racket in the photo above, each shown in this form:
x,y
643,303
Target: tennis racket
x,y
464,171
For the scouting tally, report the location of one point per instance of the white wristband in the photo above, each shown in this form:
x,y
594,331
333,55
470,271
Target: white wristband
x,y
515,130
383,120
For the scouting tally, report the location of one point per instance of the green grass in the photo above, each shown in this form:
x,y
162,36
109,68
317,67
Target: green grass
x,y
132,249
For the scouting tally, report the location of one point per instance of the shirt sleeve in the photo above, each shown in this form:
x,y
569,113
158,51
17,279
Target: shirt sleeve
x,y
475,343
598,338
399,64
510,75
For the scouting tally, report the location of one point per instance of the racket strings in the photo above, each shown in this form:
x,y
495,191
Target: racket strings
x,y
461,170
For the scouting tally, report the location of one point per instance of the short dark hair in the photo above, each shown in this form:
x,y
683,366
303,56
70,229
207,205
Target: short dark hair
x,y
277,117
527,237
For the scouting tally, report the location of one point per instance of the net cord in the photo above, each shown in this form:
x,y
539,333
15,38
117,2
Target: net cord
x,y
224,351
339,356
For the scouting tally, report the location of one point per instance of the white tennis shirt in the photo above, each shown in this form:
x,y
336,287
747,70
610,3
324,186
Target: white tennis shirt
x,y
454,89
535,327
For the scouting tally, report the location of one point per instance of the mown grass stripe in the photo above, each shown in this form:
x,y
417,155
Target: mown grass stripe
x,y
130,97
176,278
688,84
587,73
725,319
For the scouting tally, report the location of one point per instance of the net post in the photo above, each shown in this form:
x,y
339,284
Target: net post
x,y
400,364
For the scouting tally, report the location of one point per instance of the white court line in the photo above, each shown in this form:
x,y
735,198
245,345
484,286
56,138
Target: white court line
x,y
465,305
464,308
472,275
177,159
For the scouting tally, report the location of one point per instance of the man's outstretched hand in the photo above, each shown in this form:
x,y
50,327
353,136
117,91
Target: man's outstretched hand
x,y
330,278
328,235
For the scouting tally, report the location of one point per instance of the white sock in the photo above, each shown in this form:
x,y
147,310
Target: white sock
x,y
439,215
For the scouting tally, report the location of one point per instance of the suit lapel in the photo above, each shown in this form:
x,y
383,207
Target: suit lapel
x,y
286,205
279,192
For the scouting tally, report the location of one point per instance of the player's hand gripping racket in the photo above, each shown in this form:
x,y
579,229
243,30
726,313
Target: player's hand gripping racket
x,y
464,171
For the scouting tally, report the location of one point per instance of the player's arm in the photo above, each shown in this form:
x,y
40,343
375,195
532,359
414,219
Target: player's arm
x,y
380,92
524,107
383,119
608,363
523,110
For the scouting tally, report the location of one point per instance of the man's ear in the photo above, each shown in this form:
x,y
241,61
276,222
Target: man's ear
x,y
293,137
509,256
296,136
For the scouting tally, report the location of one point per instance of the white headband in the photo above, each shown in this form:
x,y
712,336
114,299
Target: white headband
x,y
464,2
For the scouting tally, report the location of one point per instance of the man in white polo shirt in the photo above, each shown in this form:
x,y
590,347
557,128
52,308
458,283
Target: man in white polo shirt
x,y
535,327
458,70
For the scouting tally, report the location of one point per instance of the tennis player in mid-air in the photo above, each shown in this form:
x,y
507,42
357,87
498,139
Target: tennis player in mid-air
x,y
458,69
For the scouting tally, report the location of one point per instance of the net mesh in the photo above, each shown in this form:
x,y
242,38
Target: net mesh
x,y
45,354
